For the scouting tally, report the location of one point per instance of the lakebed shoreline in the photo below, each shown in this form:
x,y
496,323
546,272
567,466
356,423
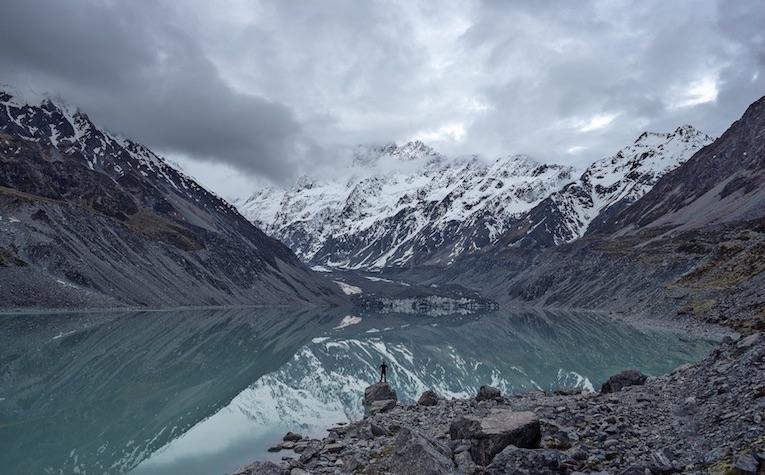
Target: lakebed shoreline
x,y
705,417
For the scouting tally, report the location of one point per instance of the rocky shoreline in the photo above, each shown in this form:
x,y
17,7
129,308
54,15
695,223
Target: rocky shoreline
x,y
701,418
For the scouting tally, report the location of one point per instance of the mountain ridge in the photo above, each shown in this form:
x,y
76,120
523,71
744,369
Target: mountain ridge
x,y
86,209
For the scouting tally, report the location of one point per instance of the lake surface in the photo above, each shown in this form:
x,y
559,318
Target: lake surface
x,y
207,391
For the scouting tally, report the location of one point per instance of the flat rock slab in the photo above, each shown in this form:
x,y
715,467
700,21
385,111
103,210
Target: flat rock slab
x,y
490,434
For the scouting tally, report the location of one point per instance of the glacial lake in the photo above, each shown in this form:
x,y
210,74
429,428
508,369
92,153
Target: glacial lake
x,y
207,391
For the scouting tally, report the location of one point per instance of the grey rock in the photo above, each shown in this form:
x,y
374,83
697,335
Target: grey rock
x,y
745,465
334,447
490,434
428,398
377,430
516,460
379,392
617,382
416,455
487,392
292,437
465,464
749,341
385,405
310,452
261,468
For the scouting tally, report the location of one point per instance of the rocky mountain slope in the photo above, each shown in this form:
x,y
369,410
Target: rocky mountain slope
x,y
605,188
88,218
693,245
402,206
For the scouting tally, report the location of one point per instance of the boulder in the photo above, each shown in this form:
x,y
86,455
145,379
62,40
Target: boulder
x,y
749,341
292,437
516,460
630,377
261,468
745,465
490,434
381,406
487,392
378,392
377,430
428,398
414,454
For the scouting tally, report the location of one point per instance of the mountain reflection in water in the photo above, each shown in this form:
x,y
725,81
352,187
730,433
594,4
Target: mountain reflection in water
x,y
206,391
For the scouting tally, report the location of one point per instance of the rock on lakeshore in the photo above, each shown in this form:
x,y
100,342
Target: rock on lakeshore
x,y
379,392
428,398
630,377
487,392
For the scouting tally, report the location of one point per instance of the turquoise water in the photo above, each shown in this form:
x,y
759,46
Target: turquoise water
x,y
206,391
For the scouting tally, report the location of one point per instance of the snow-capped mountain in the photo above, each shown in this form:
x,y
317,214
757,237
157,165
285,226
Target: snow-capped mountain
x,y
402,206
605,188
90,218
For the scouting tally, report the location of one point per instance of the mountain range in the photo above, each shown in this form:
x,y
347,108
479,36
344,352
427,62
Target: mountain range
x,y
672,222
408,206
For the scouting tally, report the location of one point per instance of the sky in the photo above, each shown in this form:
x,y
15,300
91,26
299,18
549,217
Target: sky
x,y
242,93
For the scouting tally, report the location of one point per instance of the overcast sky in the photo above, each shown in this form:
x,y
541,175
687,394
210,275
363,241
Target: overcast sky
x,y
238,91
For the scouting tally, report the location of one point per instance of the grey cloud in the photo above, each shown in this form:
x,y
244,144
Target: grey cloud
x,y
276,88
132,67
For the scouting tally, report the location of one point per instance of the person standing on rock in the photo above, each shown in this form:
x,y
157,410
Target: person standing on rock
x,y
383,372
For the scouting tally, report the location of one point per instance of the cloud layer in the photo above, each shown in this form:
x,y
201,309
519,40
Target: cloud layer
x,y
273,89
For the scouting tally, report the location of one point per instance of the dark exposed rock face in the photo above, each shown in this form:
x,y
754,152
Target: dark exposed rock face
x,y
630,377
487,392
428,398
100,220
490,434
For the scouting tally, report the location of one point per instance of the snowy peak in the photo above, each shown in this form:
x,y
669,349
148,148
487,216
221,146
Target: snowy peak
x,y
606,187
365,155
430,212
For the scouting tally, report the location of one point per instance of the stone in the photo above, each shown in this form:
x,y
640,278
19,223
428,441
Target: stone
x,y
275,448
490,434
617,382
749,341
516,460
414,454
310,452
377,430
465,464
428,398
486,393
379,392
261,468
745,465
381,406
292,437
334,447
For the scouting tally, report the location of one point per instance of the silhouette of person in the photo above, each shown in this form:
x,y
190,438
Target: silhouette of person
x,y
383,372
